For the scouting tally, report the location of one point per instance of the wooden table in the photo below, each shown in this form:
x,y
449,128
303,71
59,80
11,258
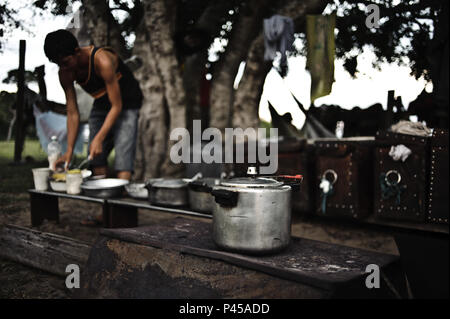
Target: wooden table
x,y
117,212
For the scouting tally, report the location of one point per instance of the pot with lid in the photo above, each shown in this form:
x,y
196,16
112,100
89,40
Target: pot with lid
x,y
167,192
200,197
253,214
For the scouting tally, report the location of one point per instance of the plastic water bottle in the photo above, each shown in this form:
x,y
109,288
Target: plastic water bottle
x,y
54,152
339,129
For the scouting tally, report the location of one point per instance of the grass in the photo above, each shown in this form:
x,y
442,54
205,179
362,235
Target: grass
x,y
18,178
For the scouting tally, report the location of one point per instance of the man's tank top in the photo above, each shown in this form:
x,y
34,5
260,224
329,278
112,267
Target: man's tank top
x,y
129,87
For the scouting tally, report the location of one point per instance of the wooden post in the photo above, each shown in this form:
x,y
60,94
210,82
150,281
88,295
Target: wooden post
x,y
18,144
40,73
389,118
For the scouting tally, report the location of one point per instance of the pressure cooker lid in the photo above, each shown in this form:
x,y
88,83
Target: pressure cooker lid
x,y
251,182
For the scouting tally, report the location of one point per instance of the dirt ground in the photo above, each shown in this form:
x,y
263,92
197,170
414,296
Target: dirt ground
x,y
19,281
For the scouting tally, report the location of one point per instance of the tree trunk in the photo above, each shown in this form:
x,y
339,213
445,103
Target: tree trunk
x,y
210,21
245,29
103,28
248,95
160,22
168,92
194,67
45,251
152,130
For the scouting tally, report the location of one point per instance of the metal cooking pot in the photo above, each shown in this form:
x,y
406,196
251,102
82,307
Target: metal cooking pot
x,y
253,215
104,188
168,192
200,197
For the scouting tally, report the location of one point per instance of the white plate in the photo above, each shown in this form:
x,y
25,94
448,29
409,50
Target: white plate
x,y
85,173
137,190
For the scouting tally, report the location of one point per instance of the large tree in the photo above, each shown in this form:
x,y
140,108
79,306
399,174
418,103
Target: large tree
x,y
172,37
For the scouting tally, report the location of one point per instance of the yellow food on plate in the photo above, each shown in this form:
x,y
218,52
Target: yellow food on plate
x,y
74,171
59,177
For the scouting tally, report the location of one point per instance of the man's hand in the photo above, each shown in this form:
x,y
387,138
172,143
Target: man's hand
x,y
63,161
96,147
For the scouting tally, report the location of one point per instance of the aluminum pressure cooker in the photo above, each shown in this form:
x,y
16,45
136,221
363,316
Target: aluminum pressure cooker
x,y
253,214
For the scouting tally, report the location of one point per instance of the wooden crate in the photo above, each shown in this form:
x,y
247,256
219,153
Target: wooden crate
x,y
351,160
413,174
438,189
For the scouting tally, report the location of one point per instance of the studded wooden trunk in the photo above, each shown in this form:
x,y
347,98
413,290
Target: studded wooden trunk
x,y
438,191
295,158
350,159
411,176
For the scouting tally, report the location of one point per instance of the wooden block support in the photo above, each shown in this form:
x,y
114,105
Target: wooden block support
x,y
116,215
43,206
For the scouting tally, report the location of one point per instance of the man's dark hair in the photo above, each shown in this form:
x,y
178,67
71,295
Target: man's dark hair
x,y
59,44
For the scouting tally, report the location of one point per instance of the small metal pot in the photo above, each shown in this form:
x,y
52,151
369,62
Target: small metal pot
x,y
200,197
168,192
253,215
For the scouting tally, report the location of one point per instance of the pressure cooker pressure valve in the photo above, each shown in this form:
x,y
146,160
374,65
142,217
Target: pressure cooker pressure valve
x,y
251,171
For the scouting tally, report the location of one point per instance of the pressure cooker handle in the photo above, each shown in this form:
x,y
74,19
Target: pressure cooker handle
x,y
225,197
199,186
148,185
291,180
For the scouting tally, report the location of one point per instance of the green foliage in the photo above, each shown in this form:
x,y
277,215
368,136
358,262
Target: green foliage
x,y
7,20
265,125
17,179
404,34
12,77
57,7
403,37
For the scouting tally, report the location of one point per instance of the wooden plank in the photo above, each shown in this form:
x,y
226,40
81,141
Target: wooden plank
x,y
120,269
45,251
396,226
65,195
144,204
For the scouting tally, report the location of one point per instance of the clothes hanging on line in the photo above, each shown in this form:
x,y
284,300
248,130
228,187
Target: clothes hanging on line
x,y
278,37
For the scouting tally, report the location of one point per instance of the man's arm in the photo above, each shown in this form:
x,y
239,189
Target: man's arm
x,y
73,117
105,66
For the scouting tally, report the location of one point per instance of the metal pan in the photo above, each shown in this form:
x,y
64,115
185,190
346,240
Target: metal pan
x,y
104,188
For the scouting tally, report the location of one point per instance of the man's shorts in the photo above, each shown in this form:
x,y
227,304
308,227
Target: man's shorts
x,y
122,137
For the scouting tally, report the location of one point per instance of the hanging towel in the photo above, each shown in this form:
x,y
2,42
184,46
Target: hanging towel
x,y
278,37
320,57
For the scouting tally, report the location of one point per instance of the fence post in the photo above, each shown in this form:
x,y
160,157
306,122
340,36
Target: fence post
x,y
20,134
